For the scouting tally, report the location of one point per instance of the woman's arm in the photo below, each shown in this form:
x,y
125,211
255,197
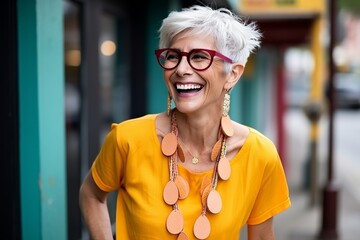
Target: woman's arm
x,y
262,231
94,209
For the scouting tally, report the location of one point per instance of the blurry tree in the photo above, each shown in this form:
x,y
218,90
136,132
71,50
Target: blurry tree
x,y
352,6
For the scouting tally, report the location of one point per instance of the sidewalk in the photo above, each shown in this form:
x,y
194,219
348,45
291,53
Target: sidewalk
x,y
303,221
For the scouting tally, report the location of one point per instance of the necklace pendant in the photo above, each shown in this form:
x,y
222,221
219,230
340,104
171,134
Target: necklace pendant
x,y
195,160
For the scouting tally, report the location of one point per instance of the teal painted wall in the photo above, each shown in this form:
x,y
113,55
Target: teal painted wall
x,y
257,92
252,93
236,108
29,122
42,122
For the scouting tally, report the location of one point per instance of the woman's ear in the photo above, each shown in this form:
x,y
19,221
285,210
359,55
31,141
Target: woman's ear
x,y
234,75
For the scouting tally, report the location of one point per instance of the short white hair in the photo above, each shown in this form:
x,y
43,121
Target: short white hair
x,y
233,37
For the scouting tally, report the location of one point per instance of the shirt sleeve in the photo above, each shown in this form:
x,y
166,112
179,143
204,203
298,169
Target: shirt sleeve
x,y
273,195
108,167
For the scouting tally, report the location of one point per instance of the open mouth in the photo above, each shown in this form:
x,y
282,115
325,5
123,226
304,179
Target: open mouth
x,y
188,88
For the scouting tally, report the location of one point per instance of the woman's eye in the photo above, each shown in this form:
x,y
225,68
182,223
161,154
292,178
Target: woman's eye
x,y
199,57
172,57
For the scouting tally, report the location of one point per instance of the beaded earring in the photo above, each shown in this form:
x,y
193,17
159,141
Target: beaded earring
x,y
226,104
168,104
226,124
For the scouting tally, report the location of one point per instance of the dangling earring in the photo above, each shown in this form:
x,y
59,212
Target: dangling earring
x,y
226,124
226,104
168,104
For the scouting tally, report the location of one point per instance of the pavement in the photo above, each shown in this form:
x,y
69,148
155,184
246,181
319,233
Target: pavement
x,y
303,220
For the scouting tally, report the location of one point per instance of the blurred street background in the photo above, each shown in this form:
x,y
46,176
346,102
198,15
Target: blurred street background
x,y
71,68
303,220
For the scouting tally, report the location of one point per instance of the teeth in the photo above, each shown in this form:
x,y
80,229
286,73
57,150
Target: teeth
x,y
187,86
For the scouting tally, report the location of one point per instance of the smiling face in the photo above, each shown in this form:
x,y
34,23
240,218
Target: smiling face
x,y
194,90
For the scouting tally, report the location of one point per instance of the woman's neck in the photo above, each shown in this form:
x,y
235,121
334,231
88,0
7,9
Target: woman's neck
x,y
199,133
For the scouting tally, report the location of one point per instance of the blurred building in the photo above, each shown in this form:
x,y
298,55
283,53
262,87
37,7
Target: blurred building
x,y
286,25
72,67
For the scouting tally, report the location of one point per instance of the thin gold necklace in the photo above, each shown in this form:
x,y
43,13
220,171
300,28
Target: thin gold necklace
x,y
194,159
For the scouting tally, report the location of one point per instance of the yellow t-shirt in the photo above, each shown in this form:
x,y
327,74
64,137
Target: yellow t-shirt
x,y
131,162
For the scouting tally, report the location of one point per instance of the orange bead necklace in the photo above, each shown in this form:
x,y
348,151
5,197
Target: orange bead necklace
x,y
177,188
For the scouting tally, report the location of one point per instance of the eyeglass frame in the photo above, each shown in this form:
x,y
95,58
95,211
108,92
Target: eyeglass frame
x,y
181,54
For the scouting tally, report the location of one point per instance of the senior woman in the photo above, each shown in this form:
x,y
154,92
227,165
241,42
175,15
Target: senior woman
x,y
190,172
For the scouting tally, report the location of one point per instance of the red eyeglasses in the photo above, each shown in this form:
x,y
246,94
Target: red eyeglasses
x,y
198,59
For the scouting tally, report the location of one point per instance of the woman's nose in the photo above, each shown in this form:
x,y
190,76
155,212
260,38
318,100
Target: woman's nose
x,y
183,67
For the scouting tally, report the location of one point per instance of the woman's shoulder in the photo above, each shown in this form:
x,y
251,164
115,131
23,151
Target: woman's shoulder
x,y
135,126
254,141
260,144
136,122
260,137
245,134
